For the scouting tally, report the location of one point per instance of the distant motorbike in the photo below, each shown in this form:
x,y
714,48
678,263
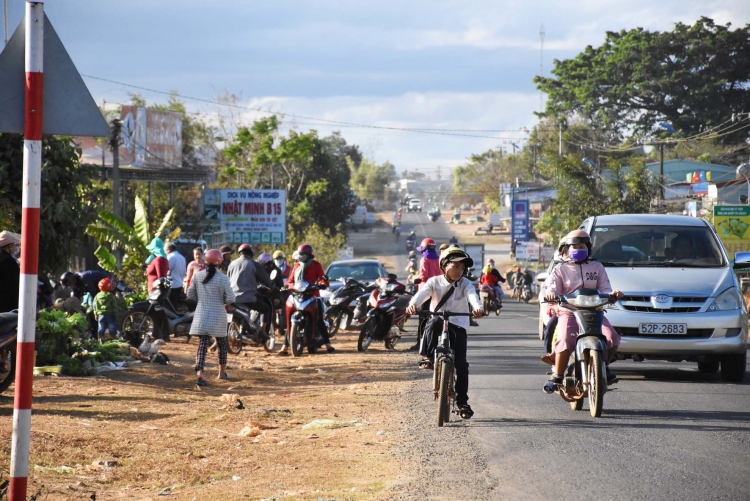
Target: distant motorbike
x,y
157,316
245,325
586,373
340,314
410,245
302,317
387,311
8,338
522,292
489,301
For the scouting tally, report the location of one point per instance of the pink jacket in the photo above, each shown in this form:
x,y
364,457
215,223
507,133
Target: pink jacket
x,y
569,276
428,268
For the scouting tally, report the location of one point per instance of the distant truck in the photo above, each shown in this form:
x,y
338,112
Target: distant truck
x,y
415,205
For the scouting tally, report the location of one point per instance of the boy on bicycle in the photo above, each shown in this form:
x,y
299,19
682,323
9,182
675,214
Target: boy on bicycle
x,y
454,263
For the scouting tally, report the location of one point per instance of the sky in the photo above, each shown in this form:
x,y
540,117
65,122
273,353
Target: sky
x,y
454,66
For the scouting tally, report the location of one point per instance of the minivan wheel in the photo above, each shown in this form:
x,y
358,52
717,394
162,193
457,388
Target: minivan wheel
x,y
709,365
733,367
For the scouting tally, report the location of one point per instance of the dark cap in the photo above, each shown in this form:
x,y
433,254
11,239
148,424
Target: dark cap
x,y
226,248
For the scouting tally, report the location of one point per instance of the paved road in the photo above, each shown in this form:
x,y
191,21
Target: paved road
x,y
667,432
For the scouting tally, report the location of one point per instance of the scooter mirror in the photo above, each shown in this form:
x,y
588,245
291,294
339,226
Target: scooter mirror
x,y
417,281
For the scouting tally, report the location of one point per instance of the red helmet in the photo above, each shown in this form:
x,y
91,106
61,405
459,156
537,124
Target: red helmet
x,y
245,247
428,243
213,256
492,261
106,285
305,249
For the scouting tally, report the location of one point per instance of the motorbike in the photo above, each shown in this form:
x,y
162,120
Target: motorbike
x,y
245,325
302,317
340,314
157,310
387,312
410,245
433,217
489,301
586,374
8,338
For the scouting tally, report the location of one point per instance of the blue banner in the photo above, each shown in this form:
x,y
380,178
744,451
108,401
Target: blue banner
x,y
519,220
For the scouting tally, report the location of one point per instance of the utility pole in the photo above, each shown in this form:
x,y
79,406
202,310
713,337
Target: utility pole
x,y
114,145
661,172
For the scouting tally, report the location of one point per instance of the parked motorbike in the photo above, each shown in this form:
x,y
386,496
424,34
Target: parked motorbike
x,y
8,338
302,317
245,325
157,316
489,301
340,314
586,374
387,311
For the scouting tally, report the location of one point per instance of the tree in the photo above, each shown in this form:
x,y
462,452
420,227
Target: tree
x,y
484,173
132,240
371,181
70,195
694,77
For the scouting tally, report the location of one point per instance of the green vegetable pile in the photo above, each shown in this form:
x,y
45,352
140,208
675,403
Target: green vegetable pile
x,y
64,341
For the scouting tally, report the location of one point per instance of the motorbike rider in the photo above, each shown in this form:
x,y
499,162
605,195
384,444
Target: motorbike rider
x,y
266,261
578,270
413,265
311,271
411,237
244,275
397,232
454,263
429,266
226,258
279,259
491,277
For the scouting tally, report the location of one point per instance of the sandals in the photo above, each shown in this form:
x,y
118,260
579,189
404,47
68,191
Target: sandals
x,y
547,359
225,376
425,363
465,411
201,382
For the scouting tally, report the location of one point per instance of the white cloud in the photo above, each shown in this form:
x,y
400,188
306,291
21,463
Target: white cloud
x,y
433,110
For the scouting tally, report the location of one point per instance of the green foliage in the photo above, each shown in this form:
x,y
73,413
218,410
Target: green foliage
x,y
484,173
370,181
55,333
693,77
70,196
114,231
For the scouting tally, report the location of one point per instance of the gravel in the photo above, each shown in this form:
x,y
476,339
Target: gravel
x,y
438,463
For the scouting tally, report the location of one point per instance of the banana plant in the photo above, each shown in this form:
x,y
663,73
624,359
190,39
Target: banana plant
x,y
114,233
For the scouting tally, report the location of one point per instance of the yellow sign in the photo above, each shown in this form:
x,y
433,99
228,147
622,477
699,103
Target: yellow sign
x,y
732,223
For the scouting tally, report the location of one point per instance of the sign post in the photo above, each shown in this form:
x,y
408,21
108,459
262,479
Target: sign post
x,y
519,225
32,179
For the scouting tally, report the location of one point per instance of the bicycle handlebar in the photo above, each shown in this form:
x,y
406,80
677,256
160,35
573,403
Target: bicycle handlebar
x,y
444,314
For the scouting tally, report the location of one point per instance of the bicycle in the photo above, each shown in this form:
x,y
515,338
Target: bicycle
x,y
444,374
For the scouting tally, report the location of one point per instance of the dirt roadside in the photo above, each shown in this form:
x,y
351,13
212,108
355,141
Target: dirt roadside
x,y
149,433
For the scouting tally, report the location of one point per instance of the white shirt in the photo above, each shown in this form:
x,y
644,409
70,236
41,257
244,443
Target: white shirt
x,y
177,269
465,294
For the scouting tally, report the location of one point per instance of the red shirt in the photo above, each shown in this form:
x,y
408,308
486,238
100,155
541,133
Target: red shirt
x,y
313,273
158,268
488,279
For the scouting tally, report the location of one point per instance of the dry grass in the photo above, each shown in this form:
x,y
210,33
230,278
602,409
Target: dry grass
x,y
161,431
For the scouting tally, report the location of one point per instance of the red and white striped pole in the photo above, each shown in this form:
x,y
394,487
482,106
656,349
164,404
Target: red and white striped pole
x,y
32,177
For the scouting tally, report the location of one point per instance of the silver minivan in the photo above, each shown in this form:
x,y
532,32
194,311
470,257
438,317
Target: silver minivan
x,y
682,300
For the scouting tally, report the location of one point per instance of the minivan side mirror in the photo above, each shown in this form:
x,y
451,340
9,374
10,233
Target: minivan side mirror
x,y
741,260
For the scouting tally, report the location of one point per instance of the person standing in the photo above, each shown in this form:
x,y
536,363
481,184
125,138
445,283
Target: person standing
x,y
279,259
178,272
10,271
213,292
105,308
157,265
198,264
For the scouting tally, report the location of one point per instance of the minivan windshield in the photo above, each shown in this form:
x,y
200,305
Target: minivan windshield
x,y
657,246
363,271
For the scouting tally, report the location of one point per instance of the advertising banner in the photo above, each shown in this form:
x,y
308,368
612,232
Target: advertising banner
x,y
520,220
250,216
151,138
732,223
527,251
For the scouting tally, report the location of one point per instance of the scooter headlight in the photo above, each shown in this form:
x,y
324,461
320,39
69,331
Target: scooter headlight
x,y
588,301
301,286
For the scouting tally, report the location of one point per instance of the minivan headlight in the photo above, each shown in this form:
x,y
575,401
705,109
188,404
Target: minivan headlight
x,y
728,300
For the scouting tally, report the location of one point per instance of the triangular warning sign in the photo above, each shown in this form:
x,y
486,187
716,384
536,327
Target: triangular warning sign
x,y
68,107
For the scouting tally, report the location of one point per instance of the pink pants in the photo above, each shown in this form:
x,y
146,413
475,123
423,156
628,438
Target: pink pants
x,y
567,328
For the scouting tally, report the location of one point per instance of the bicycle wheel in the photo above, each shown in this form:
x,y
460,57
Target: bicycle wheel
x,y
446,373
596,383
234,338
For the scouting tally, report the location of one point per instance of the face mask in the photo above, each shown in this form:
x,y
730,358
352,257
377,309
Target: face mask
x,y
303,258
492,266
279,262
579,255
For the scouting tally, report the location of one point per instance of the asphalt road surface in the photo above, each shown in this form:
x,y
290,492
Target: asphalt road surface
x,y
667,432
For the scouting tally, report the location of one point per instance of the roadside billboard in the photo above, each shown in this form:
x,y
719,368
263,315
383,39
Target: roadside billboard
x,y
151,138
476,252
732,223
519,220
249,216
